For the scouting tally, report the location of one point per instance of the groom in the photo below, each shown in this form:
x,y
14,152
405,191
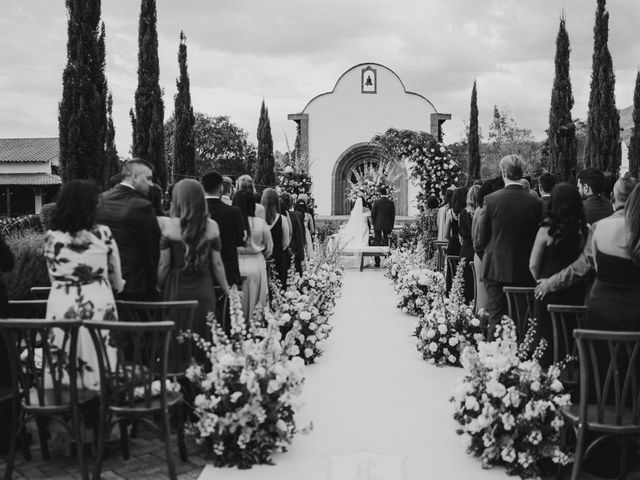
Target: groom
x,y
383,216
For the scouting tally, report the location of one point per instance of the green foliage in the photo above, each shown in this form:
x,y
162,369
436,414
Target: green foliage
x,y
473,167
324,229
634,145
82,114
219,145
265,174
184,160
147,121
562,134
30,267
603,122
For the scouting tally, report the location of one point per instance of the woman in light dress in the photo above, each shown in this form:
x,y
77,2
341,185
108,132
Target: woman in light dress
x,y
251,257
353,237
84,268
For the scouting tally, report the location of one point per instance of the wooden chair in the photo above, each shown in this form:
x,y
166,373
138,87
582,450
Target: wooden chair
x,y
40,292
126,384
451,263
27,308
609,392
440,247
520,305
222,307
44,382
564,320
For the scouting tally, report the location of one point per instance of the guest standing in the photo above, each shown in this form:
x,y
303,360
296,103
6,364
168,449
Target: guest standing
x,y
383,217
229,223
251,257
545,184
507,233
280,233
559,241
297,231
245,183
190,253
442,213
300,208
84,268
466,242
458,203
591,183
133,222
227,190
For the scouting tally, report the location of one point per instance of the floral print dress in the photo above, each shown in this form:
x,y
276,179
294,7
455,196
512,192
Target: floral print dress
x,y
84,269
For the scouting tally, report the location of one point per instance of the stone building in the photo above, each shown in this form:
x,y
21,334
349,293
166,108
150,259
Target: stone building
x,y
336,127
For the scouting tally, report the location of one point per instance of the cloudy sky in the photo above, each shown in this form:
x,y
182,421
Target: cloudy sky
x,y
288,51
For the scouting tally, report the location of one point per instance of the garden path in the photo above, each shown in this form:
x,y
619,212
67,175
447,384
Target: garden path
x,y
379,412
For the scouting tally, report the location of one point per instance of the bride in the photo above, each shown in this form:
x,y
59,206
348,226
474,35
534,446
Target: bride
x,y
354,236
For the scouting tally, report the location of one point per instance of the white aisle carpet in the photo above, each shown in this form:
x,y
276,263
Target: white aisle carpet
x,y
379,411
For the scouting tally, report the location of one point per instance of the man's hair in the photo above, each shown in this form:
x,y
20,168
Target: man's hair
x,y
623,188
546,182
594,178
211,181
432,202
512,167
383,191
227,185
129,165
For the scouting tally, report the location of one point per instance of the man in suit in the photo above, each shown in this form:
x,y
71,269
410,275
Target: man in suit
x,y
507,233
132,220
383,216
545,184
591,183
229,221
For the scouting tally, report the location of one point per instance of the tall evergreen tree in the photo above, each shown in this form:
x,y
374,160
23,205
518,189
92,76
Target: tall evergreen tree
x,y
562,133
111,159
184,144
148,119
634,145
82,110
473,167
265,175
602,149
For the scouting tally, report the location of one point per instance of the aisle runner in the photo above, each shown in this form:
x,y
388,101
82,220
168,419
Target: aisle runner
x,y
379,412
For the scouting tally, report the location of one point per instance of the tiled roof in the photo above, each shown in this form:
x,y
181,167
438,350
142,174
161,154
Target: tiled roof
x,y
29,179
30,150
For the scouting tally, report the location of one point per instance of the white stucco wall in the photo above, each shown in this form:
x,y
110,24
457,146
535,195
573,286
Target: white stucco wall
x,y
344,117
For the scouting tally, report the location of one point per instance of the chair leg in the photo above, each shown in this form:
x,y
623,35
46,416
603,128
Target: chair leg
x,y
78,433
580,447
134,429
624,453
179,416
124,438
43,435
166,433
563,443
100,438
15,429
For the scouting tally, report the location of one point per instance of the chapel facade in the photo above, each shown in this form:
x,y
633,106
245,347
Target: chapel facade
x,y
336,128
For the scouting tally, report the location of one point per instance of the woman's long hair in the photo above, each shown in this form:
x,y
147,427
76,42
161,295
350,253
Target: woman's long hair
x,y
75,208
473,199
632,218
566,217
271,204
459,200
244,200
189,205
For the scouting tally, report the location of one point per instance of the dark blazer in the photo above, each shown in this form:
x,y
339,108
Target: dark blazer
x,y
546,201
298,237
383,214
508,230
596,207
135,229
229,221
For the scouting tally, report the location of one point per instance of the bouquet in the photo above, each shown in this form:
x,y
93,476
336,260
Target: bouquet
x,y
246,400
508,406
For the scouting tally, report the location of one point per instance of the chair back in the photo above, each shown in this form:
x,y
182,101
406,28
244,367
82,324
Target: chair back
x,y
222,306
40,293
520,305
441,252
609,376
42,357
127,376
475,286
181,313
27,309
564,320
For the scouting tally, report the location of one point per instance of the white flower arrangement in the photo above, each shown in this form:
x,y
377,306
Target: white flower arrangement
x,y
508,406
245,404
369,183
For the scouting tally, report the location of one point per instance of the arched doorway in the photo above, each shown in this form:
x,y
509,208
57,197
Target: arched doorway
x,y
357,158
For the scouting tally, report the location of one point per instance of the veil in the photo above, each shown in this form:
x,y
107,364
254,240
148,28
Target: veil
x,y
354,236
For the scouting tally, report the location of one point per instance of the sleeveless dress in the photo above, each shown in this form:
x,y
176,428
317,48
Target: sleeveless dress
x,y
466,252
254,268
453,247
279,255
555,258
84,268
191,285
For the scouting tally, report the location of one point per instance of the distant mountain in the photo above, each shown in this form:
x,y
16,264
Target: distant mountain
x,y
626,122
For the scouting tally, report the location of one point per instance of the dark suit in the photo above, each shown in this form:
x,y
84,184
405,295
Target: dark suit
x,y
229,221
508,230
596,207
383,216
298,238
135,229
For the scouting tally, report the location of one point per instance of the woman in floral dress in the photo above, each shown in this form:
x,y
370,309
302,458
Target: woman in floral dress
x,y
84,268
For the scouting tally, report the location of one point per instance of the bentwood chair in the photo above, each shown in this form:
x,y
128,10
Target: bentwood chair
x,y
42,356
27,309
564,320
451,264
40,292
127,389
475,286
609,393
440,247
520,306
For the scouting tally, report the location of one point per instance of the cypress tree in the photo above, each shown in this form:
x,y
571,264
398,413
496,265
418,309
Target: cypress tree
x,y
265,175
563,145
148,119
634,144
602,148
184,144
82,110
473,167
111,159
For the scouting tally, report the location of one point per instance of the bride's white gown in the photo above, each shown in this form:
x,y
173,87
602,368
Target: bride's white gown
x,y
354,235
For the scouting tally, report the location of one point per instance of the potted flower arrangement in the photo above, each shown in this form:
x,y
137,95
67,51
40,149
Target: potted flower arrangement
x,y
418,288
370,180
245,402
508,406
